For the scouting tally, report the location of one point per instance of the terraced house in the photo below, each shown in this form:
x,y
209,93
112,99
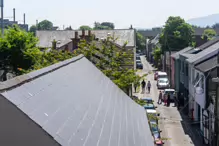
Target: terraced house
x,y
69,39
192,82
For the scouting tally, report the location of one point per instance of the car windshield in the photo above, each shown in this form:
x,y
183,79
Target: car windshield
x,y
163,81
162,76
138,61
138,58
171,92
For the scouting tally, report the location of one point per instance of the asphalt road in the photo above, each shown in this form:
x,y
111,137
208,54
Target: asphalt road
x,y
170,119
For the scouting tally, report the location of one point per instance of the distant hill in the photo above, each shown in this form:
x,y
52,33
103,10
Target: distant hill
x,y
205,21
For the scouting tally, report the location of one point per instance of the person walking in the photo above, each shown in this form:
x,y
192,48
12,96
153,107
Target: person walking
x,y
149,86
168,99
143,86
160,98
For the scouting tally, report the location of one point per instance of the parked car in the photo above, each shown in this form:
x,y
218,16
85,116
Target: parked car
x,y
156,133
147,99
163,83
149,106
155,75
138,58
152,115
139,65
171,92
161,75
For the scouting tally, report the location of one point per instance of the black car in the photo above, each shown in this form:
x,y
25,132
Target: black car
x,y
139,65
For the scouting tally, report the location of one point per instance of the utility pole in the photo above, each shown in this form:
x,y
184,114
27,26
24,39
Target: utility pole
x,y
2,16
24,18
14,14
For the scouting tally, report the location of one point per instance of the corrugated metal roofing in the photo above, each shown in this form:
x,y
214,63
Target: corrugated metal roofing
x,y
79,106
208,51
207,65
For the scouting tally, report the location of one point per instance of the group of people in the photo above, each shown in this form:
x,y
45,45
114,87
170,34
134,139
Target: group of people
x,y
143,84
166,99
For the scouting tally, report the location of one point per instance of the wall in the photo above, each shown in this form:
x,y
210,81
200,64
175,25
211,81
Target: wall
x,y
173,73
18,130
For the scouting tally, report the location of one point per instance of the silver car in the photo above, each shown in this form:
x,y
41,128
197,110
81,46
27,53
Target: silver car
x,y
163,83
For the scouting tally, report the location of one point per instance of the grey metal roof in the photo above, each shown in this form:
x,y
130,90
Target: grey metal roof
x,y
209,43
176,55
77,105
64,36
205,53
207,65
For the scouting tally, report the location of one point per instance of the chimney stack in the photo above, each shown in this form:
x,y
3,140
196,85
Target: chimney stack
x,y
14,14
76,35
24,19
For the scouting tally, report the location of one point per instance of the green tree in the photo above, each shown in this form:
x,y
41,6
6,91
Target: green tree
x,y
45,25
157,56
140,41
105,26
215,26
209,34
108,24
85,27
17,50
112,61
176,35
33,29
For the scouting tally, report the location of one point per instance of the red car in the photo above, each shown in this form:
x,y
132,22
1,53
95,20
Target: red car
x,y
155,75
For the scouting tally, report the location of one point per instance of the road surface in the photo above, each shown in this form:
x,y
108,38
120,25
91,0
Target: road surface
x,y
170,119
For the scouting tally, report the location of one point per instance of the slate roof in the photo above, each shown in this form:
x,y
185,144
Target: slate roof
x,y
77,105
207,51
207,65
176,55
209,43
64,36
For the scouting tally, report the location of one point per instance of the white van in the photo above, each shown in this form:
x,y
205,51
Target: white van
x,y
161,75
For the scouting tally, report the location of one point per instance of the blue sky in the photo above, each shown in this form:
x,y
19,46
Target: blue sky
x,y
123,13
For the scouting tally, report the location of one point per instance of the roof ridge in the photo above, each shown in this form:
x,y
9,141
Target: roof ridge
x,y
19,80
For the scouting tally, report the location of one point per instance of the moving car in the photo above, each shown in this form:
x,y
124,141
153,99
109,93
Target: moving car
x,y
171,92
163,83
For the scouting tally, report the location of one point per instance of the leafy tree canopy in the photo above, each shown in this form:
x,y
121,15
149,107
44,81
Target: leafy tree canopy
x,y
209,34
157,56
19,54
45,25
33,29
176,35
103,26
85,27
112,61
140,41
215,26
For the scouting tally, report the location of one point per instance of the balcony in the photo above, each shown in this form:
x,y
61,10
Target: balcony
x,y
200,96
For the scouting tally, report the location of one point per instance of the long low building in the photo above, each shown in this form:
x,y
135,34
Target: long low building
x,y
70,103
